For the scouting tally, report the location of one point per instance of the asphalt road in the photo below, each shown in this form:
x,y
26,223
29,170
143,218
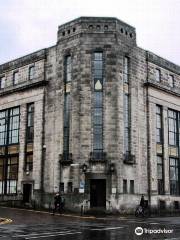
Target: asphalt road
x,y
34,225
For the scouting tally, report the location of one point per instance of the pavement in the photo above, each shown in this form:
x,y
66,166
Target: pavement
x,y
29,224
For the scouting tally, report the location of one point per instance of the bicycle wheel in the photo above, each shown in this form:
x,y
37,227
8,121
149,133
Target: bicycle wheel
x,y
146,212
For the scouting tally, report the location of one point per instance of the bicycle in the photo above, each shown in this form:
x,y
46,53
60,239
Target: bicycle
x,y
142,211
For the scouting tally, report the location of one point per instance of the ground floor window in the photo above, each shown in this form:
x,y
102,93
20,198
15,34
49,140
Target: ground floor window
x,y
174,176
160,177
8,174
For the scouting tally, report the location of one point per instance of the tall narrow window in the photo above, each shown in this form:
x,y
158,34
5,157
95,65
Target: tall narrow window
x,y
126,124
67,107
159,124
126,70
68,69
172,124
2,82
9,150
98,106
171,80
12,174
31,72
174,176
15,78
13,126
29,138
3,127
160,176
131,189
30,122
157,75
124,185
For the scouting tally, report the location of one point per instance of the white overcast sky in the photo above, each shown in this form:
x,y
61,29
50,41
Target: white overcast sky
x,y
29,25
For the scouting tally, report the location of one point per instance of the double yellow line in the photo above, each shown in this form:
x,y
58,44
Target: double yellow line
x,y
5,221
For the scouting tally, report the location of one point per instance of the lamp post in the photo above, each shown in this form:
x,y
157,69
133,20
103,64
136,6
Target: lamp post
x,y
84,168
111,168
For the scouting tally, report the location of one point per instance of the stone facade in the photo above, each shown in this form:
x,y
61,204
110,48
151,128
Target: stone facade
x,y
123,178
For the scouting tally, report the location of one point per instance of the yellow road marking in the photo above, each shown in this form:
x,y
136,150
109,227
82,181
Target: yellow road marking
x,y
5,221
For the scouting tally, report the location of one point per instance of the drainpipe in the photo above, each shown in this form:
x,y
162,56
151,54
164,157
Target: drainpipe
x,y
148,134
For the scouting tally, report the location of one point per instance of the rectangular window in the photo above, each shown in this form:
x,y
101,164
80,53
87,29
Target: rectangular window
x,y
2,167
68,69
67,107
174,176
2,82
157,75
98,106
61,187
124,185
12,175
3,127
30,123
126,70
31,72
9,150
131,186
14,118
15,78
159,136
126,124
172,127
29,138
69,187
160,175
171,80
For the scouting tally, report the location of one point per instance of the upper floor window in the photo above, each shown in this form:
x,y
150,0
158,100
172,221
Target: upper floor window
x,y
126,123
15,78
31,72
126,70
30,122
68,69
171,80
98,70
9,126
158,124
98,105
157,75
172,125
2,82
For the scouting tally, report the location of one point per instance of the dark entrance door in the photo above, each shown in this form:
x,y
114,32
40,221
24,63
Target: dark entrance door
x,y
98,193
27,193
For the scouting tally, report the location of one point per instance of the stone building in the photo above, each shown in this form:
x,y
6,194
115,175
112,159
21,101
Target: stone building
x,y
95,117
